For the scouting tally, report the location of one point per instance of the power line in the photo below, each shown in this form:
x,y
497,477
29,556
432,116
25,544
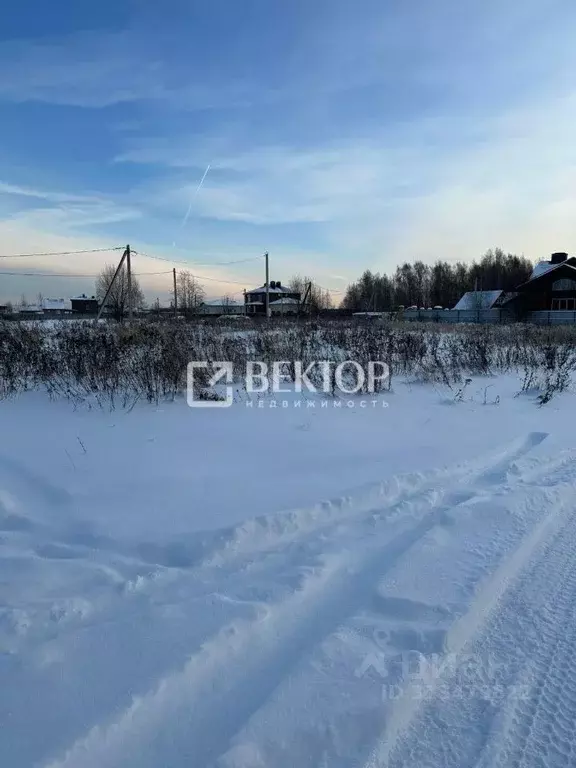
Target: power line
x,y
137,274
220,264
198,264
141,274
60,253
44,274
56,274
217,280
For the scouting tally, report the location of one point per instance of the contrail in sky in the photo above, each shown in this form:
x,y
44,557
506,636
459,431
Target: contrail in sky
x,y
198,188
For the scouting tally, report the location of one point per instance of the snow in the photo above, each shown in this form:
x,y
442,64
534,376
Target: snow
x,y
56,304
275,289
478,300
178,590
220,303
545,266
285,301
541,268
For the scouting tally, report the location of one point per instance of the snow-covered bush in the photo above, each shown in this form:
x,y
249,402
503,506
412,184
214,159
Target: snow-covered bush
x,y
119,364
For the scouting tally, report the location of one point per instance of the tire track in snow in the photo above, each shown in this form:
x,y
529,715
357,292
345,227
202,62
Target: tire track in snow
x,y
459,636
540,726
339,734
545,566
269,531
533,642
32,485
192,715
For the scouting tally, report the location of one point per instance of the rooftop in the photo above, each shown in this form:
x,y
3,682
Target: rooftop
x,y
551,268
478,300
284,300
223,302
277,289
56,304
541,268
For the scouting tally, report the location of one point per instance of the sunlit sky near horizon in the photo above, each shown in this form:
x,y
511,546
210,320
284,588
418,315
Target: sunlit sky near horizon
x,y
340,136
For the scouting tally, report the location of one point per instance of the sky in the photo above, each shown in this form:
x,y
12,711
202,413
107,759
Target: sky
x,y
340,136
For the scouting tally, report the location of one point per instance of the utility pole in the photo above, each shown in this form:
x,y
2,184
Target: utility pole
x,y
118,268
302,304
129,270
175,294
307,293
267,287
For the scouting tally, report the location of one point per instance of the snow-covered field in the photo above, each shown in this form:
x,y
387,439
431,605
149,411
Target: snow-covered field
x,y
272,588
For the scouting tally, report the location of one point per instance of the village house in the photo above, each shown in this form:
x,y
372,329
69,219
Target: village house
x,y
283,301
222,307
55,307
84,305
551,288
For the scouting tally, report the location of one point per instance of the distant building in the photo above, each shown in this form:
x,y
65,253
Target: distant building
x,y
31,311
223,307
84,305
284,306
255,300
551,287
56,307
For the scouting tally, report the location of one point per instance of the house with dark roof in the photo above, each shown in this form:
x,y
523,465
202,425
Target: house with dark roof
x,y
551,287
255,300
84,305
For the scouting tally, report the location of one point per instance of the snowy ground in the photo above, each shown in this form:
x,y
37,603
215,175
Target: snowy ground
x,y
257,587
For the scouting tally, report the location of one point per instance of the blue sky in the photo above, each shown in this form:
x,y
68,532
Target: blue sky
x,y
340,135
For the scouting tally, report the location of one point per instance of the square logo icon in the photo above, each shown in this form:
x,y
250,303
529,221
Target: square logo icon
x,y
201,389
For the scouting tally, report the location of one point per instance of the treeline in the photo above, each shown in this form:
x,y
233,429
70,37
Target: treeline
x,y
441,284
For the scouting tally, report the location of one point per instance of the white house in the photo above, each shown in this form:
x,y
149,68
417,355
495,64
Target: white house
x,y
284,306
223,307
56,307
255,300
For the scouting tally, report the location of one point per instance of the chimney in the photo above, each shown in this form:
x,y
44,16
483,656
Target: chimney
x,y
278,284
558,258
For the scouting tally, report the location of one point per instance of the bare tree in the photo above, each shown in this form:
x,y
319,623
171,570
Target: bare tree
x,y
118,297
227,304
191,294
319,298
442,284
